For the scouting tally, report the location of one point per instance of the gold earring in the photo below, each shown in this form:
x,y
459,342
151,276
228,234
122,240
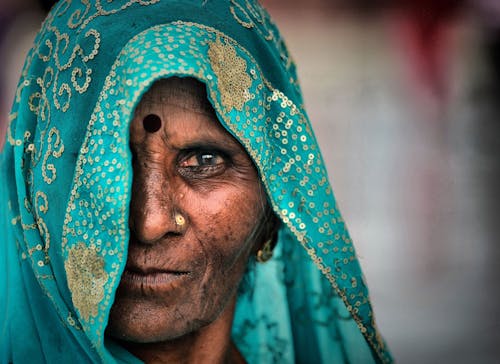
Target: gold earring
x,y
179,220
265,253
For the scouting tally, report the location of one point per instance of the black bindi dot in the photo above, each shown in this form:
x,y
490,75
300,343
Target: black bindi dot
x,y
151,123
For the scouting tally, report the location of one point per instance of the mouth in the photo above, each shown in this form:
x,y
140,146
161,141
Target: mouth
x,y
151,281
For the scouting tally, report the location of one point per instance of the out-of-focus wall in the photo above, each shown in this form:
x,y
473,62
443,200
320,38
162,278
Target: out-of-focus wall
x,y
19,22
405,109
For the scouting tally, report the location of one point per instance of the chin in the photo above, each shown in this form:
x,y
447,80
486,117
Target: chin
x,y
134,334
140,323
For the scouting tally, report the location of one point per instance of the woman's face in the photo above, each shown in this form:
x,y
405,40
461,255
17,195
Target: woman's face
x,y
196,199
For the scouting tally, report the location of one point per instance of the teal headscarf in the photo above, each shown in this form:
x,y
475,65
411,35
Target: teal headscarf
x,y
66,178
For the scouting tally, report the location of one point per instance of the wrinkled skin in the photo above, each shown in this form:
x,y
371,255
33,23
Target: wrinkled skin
x,y
182,279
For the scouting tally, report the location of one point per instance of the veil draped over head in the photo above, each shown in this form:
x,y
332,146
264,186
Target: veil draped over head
x,y
66,181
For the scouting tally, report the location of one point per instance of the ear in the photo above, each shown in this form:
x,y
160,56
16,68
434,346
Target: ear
x,y
269,231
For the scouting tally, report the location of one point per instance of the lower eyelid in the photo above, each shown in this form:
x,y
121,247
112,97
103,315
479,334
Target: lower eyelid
x,y
201,172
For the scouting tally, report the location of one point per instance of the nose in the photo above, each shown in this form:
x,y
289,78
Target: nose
x,y
152,207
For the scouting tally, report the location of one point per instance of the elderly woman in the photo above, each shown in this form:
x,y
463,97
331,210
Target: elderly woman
x,y
164,198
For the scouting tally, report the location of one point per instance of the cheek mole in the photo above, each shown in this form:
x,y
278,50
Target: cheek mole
x,y
151,123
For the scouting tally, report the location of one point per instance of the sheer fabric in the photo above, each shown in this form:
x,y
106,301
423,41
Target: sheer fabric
x,y
66,178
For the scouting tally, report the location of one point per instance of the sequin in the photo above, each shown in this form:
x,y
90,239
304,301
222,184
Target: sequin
x,y
86,279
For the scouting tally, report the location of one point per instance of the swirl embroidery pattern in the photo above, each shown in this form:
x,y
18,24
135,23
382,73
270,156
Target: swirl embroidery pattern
x,y
56,49
82,17
253,16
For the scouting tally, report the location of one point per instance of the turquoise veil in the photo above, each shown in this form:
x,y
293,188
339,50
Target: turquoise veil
x,y
66,177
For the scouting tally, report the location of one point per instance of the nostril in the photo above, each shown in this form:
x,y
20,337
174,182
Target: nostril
x,y
151,123
152,224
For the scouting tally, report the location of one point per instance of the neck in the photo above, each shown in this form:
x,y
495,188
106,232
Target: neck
x,y
210,344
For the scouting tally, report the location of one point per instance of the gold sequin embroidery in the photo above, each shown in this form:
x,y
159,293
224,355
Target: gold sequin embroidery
x,y
231,71
86,279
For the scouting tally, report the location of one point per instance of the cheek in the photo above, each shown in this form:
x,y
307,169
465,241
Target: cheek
x,y
227,219
223,225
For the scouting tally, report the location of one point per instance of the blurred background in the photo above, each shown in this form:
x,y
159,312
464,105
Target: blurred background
x,y
404,99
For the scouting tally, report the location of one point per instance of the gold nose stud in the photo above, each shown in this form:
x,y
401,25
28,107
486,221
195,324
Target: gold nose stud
x,y
179,220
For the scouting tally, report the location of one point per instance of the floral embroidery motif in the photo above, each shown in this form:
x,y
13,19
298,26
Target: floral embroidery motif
x,y
272,351
86,279
231,71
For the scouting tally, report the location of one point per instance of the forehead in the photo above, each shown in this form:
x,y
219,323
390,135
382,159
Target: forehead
x,y
186,92
185,117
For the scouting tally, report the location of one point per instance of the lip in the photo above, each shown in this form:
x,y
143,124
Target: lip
x,y
151,281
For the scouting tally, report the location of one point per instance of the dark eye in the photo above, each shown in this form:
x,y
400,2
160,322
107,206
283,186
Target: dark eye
x,y
202,159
